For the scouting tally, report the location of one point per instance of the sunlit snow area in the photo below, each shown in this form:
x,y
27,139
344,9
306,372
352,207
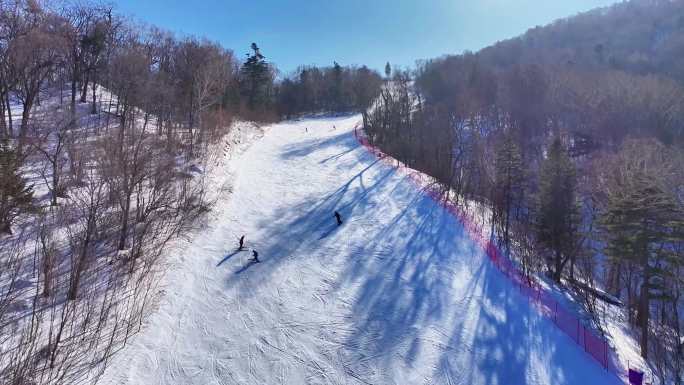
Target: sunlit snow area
x,y
396,295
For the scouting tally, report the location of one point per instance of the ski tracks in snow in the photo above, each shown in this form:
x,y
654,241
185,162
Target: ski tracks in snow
x,y
396,295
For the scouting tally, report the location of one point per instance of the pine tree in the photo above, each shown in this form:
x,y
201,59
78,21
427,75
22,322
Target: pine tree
x,y
388,70
558,212
337,88
256,78
643,222
15,196
508,183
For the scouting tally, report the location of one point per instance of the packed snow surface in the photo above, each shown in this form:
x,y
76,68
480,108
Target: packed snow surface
x,y
396,295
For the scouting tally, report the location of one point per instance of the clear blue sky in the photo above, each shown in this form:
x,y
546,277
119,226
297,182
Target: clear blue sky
x,y
369,32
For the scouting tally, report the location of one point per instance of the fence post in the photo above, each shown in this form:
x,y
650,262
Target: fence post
x,y
555,312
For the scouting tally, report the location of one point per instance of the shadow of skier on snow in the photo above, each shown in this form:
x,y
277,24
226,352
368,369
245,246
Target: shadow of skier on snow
x,y
246,267
229,256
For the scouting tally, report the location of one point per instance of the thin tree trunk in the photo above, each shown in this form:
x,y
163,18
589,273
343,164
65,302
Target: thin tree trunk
x,y
559,267
73,92
25,116
644,308
80,265
94,100
47,264
74,75
3,124
84,91
124,222
572,268
10,123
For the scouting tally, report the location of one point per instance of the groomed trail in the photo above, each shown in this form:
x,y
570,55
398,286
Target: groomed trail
x,y
396,295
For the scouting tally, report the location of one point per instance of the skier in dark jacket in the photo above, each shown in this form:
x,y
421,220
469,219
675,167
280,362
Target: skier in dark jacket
x,y
242,243
338,217
256,256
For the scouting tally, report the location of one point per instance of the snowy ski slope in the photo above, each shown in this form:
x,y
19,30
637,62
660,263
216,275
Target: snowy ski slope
x,y
397,295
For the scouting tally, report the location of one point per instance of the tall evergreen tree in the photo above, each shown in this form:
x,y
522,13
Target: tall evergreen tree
x,y
508,186
644,223
256,78
15,196
337,94
558,212
388,70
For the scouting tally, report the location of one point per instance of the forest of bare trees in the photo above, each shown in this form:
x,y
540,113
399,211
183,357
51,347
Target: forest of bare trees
x,y
573,137
101,120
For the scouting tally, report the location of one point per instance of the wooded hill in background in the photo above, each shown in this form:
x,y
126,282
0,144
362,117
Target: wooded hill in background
x,y
572,134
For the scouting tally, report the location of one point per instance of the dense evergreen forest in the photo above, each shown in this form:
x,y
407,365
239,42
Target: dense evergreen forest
x,y
573,135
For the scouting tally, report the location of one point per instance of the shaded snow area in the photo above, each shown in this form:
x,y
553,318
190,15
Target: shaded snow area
x,y
396,295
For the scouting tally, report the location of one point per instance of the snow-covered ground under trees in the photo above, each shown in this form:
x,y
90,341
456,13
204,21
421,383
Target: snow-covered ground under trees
x,y
396,295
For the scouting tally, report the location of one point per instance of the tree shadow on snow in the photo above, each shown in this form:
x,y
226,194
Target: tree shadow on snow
x,y
336,156
291,230
437,294
413,284
306,147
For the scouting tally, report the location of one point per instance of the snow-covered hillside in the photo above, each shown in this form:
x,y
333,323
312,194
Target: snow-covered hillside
x,y
397,295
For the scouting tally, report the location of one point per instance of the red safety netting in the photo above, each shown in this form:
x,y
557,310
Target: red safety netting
x,y
596,346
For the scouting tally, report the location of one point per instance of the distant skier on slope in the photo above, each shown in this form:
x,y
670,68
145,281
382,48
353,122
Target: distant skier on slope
x,y
242,243
338,217
255,256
